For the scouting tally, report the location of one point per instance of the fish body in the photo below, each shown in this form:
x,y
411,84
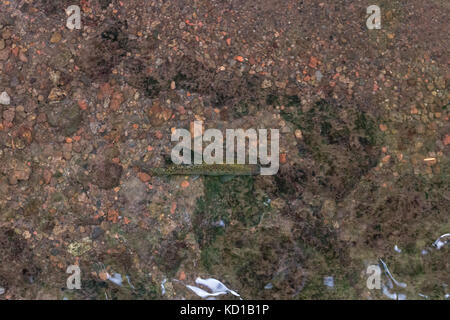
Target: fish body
x,y
204,170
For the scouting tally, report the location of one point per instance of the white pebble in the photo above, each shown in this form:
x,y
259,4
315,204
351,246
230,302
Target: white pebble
x,y
318,75
4,98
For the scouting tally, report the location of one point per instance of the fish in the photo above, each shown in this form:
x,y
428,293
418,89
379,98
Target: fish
x,y
202,170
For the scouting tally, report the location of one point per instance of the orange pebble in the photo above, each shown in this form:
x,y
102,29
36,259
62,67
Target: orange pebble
x,y
447,139
144,177
283,158
173,208
82,104
103,275
185,184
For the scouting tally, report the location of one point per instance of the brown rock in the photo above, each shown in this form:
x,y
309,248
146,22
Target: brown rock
x,y
105,91
26,135
47,175
6,34
159,115
56,94
106,174
4,54
9,114
116,101
23,57
144,177
20,172
56,37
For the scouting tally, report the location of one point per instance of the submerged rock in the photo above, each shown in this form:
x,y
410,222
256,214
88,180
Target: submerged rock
x,y
65,117
106,174
4,98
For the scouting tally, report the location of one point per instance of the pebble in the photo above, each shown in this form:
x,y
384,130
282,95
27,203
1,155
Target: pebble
x,y
9,114
21,173
328,281
4,54
56,94
56,37
4,98
266,84
298,134
6,34
318,75
106,175
285,129
97,232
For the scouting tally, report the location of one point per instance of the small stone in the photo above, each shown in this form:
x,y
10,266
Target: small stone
x,y
318,75
26,135
106,175
6,34
8,115
47,175
446,140
20,172
386,159
134,192
79,248
56,37
328,281
285,129
313,61
56,94
144,177
298,134
2,44
23,57
26,234
103,275
116,101
67,118
159,115
4,98
4,54
266,84
97,233
280,84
